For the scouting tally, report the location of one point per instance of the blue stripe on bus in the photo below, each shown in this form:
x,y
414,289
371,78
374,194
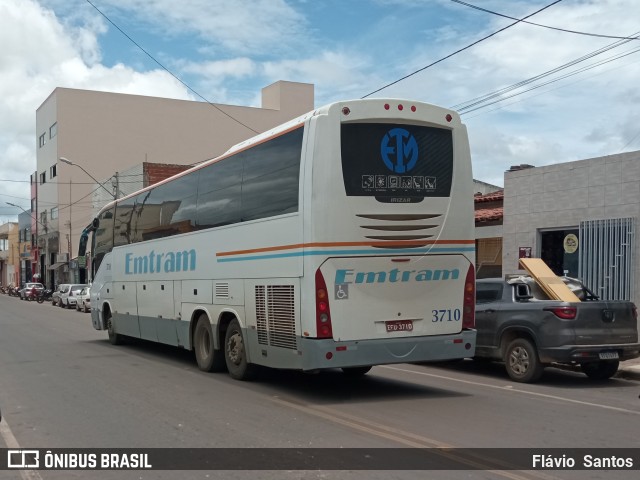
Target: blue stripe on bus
x,y
347,252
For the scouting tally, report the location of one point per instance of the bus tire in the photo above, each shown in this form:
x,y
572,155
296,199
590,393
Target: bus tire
x,y
355,371
235,353
114,338
209,359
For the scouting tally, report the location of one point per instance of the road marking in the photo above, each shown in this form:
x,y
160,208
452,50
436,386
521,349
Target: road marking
x,y
509,388
13,444
402,437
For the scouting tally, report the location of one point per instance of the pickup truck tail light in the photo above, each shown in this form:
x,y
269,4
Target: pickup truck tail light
x,y
565,313
469,303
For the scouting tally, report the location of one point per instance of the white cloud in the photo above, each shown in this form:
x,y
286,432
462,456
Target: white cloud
x,y
41,54
335,74
236,27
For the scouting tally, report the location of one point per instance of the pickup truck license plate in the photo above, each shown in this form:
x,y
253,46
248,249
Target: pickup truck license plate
x,y
399,325
609,356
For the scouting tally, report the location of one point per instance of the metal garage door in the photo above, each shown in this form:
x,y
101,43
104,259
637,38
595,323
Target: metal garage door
x,y
607,257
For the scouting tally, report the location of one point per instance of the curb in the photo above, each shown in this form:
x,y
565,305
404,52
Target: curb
x,y
631,372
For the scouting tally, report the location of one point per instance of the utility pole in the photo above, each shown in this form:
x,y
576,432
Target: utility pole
x,y
116,185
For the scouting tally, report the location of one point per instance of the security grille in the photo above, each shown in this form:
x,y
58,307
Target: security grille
x,y
607,257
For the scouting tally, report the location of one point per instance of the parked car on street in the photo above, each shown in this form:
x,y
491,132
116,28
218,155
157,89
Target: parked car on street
x,y
26,292
518,324
83,300
55,296
69,296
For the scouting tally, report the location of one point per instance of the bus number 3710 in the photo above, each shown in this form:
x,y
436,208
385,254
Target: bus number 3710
x,y
447,315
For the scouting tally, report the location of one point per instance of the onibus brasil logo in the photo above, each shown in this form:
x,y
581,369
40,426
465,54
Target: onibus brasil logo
x,y
399,150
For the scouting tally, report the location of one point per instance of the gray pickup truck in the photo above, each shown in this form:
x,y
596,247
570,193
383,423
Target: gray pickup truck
x,y
517,323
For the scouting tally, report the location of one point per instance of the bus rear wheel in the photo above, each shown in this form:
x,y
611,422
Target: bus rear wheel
x,y
208,358
235,353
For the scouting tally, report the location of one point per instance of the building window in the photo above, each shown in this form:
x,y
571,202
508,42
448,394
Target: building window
x,y
42,140
43,178
53,130
33,204
54,213
43,218
53,171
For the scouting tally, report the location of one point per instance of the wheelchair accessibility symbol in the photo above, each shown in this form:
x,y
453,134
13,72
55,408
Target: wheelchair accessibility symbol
x,y
341,291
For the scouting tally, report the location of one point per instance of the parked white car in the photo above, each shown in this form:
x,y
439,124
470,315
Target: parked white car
x,y
83,300
55,297
69,296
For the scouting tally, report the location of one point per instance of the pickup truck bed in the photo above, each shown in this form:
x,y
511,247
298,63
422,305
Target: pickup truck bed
x,y
517,323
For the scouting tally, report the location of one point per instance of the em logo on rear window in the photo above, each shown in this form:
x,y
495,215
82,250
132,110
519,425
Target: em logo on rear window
x,y
399,150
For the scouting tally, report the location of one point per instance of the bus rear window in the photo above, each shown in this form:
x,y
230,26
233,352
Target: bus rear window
x,y
396,162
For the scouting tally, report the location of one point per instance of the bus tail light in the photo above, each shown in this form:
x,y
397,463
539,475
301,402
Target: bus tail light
x,y
469,303
323,313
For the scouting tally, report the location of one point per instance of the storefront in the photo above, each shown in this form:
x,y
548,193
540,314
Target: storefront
x,y
580,218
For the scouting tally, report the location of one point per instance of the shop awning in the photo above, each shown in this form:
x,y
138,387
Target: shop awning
x,y
56,265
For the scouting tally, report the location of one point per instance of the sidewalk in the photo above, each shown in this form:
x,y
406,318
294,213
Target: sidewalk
x,y
629,369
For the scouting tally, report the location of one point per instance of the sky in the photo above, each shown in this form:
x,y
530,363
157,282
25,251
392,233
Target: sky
x,y
227,51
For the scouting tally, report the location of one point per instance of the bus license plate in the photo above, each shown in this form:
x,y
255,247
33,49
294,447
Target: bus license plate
x,y
399,325
609,356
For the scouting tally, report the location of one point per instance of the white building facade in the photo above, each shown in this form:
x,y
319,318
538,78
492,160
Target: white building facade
x,y
581,218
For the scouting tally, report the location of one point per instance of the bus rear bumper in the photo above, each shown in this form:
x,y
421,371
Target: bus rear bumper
x,y
320,354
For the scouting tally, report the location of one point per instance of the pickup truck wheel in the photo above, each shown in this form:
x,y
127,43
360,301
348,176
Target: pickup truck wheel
x,y
600,370
521,360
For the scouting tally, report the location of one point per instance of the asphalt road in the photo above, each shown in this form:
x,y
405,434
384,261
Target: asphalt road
x,y
63,385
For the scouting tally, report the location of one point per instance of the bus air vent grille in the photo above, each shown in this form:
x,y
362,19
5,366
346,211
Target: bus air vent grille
x,y
410,229
222,290
261,315
275,316
281,316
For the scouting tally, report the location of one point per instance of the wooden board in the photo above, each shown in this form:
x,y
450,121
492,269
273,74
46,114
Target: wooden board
x,y
548,281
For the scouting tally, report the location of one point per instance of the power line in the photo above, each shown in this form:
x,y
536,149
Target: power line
x,y
167,70
544,26
460,50
467,105
532,96
570,74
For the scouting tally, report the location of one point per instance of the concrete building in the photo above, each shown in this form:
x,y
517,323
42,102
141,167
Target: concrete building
x,y
104,134
489,217
24,246
581,218
9,254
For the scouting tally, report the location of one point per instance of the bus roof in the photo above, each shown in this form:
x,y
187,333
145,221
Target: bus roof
x,y
284,128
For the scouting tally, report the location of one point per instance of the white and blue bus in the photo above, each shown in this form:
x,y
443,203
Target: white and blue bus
x,y
341,239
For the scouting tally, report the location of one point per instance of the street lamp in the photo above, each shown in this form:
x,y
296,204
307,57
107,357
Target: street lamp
x,y
69,162
30,214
